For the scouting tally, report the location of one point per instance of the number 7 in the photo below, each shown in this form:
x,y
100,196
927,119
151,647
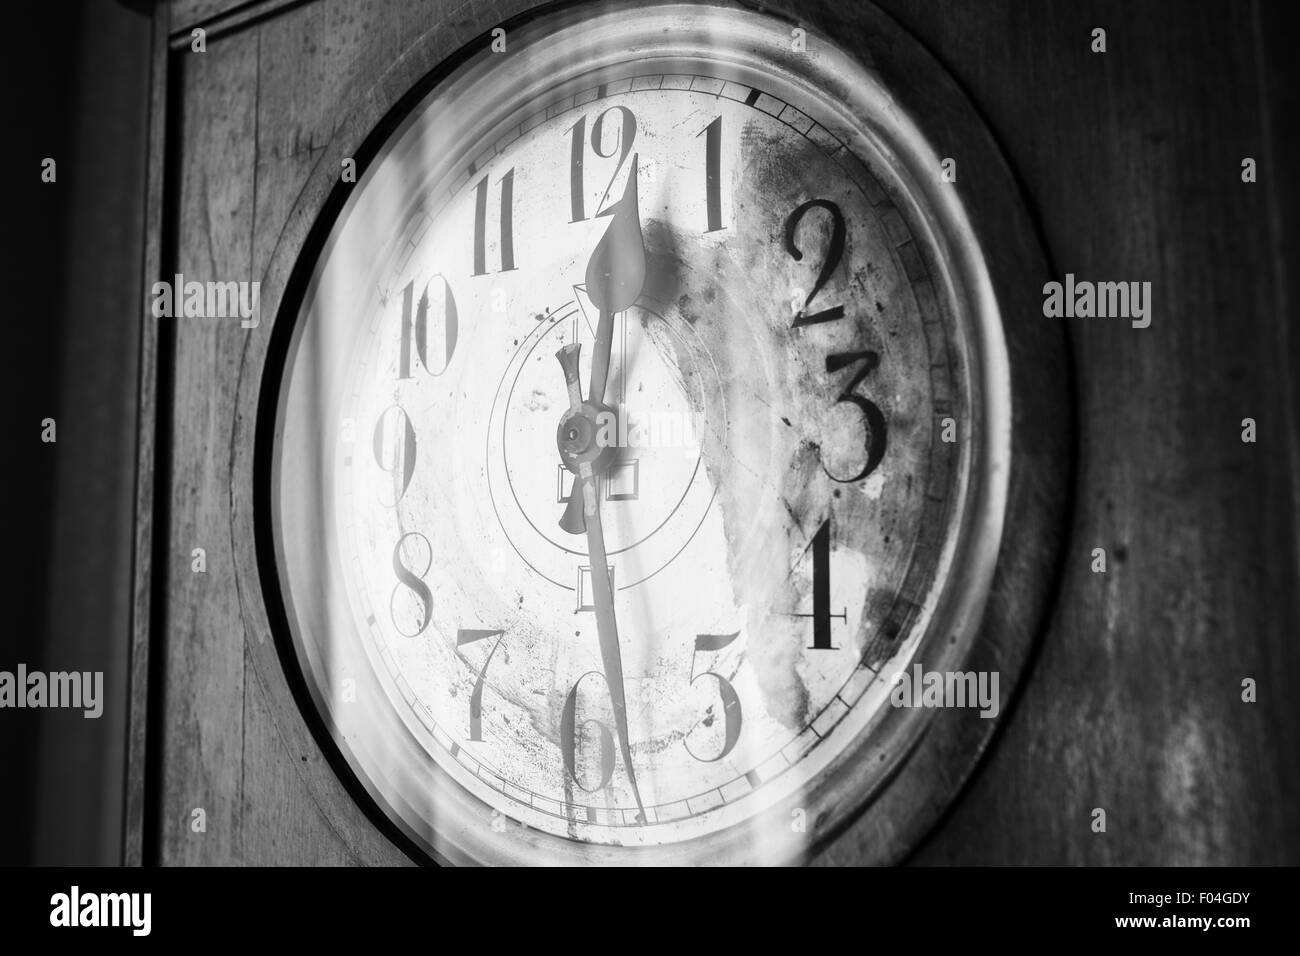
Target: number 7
x,y
464,637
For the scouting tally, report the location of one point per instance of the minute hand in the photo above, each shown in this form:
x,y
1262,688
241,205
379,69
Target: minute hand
x,y
611,655
615,277
607,631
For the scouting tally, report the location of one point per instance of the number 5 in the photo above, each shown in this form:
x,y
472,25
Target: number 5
x,y
730,699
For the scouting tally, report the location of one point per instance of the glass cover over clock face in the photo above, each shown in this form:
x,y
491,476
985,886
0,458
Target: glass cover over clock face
x,y
612,486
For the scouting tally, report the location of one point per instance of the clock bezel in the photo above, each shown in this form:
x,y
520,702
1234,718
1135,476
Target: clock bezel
x,y
891,52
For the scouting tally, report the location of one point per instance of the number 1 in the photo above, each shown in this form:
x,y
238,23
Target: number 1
x,y
713,173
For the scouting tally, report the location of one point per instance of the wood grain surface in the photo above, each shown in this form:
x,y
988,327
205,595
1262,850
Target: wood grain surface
x,y
1130,161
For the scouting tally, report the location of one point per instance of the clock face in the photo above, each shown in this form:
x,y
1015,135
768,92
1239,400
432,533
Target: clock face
x,y
628,449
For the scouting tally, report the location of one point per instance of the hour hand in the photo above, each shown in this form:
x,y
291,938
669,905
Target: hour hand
x,y
568,437
568,358
573,423
573,521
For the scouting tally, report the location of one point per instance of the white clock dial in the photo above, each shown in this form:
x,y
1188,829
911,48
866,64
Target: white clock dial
x,y
681,319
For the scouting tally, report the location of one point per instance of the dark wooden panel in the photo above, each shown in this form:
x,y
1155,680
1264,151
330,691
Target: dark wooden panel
x,y
151,490
204,700
187,12
1132,159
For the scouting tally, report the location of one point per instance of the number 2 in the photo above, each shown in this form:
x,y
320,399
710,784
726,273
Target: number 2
x,y
833,255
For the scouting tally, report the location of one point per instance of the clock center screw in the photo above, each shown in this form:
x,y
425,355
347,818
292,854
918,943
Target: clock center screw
x,y
578,438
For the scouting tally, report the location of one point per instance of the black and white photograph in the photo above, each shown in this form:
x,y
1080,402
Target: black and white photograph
x,y
653,433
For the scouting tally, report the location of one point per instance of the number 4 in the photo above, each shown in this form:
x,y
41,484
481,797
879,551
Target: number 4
x,y
821,612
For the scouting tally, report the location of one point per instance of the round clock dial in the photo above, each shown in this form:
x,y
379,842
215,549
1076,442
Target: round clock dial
x,y
638,429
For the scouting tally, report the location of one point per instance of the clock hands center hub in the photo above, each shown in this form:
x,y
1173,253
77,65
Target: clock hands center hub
x,y
578,438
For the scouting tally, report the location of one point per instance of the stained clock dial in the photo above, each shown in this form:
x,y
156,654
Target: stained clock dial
x,y
631,493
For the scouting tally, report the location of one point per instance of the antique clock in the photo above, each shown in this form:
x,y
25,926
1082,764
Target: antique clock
x,y
664,384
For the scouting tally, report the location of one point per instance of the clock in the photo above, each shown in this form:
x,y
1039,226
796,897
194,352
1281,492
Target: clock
x,y
649,407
